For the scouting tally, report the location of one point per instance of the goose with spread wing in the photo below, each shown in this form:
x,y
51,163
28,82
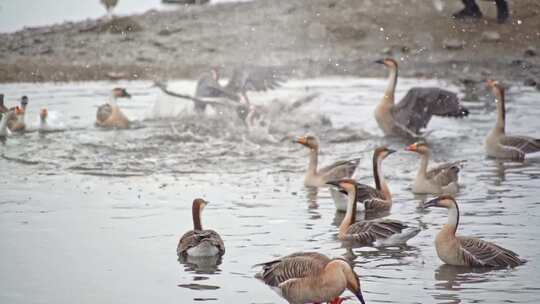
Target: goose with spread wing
x,y
414,111
385,232
467,251
243,79
318,177
500,145
438,180
310,277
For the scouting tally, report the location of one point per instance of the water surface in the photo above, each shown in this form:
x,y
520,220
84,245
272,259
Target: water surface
x,y
94,216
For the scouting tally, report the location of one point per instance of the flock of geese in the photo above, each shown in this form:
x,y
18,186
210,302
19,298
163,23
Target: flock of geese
x,y
311,277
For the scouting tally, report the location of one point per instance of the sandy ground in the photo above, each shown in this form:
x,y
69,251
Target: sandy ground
x,y
313,38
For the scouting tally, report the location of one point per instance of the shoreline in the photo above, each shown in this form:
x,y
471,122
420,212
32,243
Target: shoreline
x,y
312,39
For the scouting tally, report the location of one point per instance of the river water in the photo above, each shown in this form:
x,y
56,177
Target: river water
x,y
94,216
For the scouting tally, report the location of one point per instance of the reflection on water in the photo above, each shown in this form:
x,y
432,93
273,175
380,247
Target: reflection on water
x,y
106,208
201,265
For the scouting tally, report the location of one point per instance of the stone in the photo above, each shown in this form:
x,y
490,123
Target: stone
x,y
529,82
531,52
453,44
491,36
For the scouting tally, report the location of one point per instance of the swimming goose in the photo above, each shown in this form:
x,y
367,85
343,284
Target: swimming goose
x,y
310,277
375,232
414,111
438,180
109,115
16,122
3,108
199,242
374,199
318,177
500,145
6,116
467,251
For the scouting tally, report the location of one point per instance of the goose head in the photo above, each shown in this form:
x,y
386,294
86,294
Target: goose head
x,y
352,278
443,201
308,141
199,204
120,93
382,153
418,147
388,62
344,186
496,87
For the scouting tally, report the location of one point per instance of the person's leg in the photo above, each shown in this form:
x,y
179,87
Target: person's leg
x,y
502,10
471,9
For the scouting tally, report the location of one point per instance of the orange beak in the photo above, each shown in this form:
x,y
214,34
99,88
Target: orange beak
x,y
19,110
302,140
412,148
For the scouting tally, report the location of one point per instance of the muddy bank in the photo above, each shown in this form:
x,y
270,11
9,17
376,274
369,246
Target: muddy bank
x,y
313,38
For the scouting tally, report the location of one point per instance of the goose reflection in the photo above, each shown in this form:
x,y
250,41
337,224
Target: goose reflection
x,y
453,278
201,265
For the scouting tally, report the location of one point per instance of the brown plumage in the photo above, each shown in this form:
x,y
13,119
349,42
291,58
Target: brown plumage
x,y
415,110
109,115
308,277
200,242
467,251
438,180
375,232
500,145
378,198
319,177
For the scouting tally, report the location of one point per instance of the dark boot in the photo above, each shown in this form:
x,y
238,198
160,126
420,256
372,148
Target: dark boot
x,y
471,10
502,11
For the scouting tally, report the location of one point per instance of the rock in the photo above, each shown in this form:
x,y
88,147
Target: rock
x,y
531,52
530,82
491,36
453,44
120,25
386,51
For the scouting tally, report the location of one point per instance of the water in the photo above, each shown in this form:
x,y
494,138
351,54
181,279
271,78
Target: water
x,y
16,14
94,216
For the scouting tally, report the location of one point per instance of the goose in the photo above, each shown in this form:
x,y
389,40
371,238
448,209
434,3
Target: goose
x,y
310,277
374,199
467,251
500,145
383,232
414,111
16,122
109,115
3,108
318,177
200,242
109,6
6,116
438,180
243,79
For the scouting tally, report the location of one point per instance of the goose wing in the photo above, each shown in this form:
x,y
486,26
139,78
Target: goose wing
x,y
296,265
193,238
208,87
340,169
103,112
369,231
445,174
255,78
372,198
479,253
414,111
525,144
